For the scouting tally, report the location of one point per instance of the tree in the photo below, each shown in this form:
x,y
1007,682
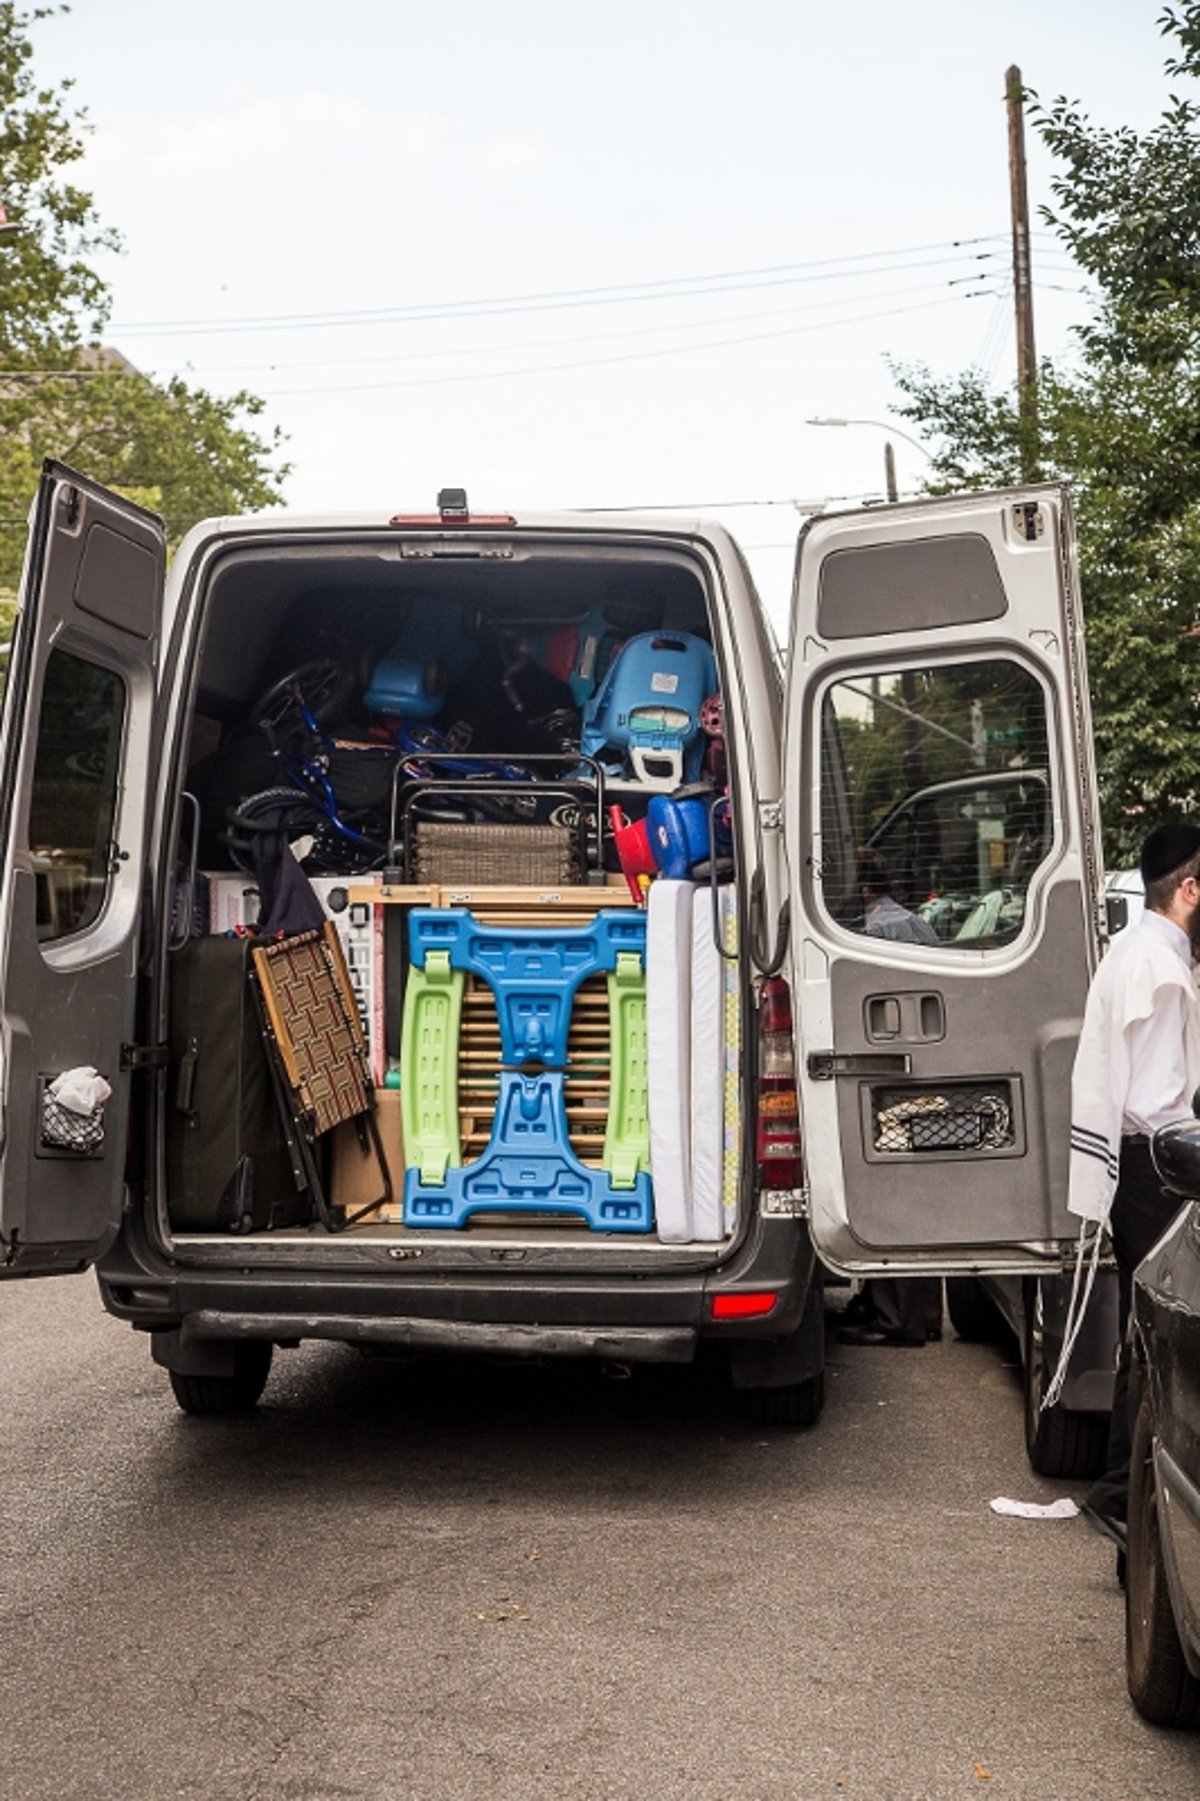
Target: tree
x,y
175,448
1119,419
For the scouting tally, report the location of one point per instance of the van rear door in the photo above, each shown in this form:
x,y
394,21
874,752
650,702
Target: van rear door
x,y
75,751
943,845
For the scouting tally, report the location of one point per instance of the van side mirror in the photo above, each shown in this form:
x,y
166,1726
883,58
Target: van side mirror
x,y
1116,909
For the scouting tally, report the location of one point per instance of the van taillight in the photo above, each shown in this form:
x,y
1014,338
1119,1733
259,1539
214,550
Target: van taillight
x,y
744,1305
777,1142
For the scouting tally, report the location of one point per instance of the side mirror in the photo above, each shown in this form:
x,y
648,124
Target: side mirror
x,y
1116,909
1176,1153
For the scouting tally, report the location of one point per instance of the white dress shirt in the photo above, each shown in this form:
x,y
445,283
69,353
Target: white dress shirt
x,y
1159,1084
1137,1062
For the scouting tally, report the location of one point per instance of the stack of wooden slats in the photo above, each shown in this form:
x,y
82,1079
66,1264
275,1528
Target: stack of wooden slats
x,y
587,1077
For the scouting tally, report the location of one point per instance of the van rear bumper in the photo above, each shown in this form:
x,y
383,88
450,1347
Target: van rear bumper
x,y
648,1317
178,1349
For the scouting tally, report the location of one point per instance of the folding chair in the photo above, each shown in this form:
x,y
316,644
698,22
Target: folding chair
x,y
320,1059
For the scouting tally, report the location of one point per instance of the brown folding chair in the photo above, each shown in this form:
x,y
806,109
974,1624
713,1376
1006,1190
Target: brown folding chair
x,y
322,1070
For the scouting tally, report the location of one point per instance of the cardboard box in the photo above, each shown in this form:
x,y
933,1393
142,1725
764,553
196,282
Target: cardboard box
x,y
354,1179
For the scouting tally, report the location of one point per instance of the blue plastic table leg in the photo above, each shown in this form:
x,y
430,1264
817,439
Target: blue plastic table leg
x,y
529,1167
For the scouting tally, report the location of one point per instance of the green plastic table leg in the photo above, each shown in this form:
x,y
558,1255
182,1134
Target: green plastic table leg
x,y
627,1137
429,1059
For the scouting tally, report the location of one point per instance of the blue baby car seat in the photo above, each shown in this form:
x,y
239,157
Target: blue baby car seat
x,y
647,710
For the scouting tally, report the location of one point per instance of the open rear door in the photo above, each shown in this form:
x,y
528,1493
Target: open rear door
x,y
75,749
944,856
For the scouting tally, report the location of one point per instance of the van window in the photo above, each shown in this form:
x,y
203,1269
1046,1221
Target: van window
x,y
73,802
935,801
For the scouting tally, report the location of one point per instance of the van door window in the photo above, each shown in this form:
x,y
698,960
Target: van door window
x,y
935,801
74,796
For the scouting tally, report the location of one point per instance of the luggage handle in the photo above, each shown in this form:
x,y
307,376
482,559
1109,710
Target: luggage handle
x,y
185,1082
181,927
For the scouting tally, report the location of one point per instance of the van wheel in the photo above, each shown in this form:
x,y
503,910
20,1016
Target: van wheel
x,y
1160,1685
796,1404
238,1393
973,1314
1061,1442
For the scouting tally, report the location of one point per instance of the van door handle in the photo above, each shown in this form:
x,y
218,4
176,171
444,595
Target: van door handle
x,y
824,1065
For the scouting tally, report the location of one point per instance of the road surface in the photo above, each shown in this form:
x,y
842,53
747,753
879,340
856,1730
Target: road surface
x,y
443,1579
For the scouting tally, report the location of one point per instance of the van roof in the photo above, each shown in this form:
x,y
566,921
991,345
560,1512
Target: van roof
x,y
679,524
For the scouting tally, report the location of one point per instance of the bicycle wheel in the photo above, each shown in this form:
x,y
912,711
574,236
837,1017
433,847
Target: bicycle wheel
x,y
316,842
273,810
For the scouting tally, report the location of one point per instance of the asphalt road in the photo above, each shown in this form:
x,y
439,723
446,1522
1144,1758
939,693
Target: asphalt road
x,y
447,1579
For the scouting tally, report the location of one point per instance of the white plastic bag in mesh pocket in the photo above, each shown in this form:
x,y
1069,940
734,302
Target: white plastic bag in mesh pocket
x,y
69,1131
73,1110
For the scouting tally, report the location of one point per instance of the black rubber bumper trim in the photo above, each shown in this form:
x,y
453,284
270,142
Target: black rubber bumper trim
x,y
665,1344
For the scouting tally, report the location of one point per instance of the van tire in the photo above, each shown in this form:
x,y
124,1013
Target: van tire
x,y
224,1395
796,1404
1067,1445
1063,1441
973,1314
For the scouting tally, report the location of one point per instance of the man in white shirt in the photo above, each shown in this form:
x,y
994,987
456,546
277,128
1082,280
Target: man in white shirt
x,y
1137,1068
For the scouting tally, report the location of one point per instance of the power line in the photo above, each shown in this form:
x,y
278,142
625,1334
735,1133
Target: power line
x,y
428,381
705,506
676,287
637,331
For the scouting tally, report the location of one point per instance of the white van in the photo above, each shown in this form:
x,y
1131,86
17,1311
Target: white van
x,y
571,1121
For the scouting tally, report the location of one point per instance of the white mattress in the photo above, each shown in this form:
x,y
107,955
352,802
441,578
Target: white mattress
x,y
707,1070
668,1032
731,1005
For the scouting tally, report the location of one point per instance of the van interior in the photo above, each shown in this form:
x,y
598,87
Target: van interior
x,y
456,879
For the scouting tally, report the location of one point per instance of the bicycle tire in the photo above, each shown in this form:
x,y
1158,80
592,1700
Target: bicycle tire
x,y
271,810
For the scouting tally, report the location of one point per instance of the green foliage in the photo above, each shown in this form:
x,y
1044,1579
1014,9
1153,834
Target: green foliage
x,y
51,294
178,449
1120,421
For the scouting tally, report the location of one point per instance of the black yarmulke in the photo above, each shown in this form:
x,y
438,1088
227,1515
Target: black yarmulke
x,y
1166,848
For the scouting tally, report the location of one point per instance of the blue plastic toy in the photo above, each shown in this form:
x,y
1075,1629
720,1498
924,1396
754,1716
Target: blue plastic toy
x,y
647,709
403,688
678,832
529,1165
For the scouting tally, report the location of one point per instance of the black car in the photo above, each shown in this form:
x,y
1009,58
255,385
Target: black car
x,y
1162,1594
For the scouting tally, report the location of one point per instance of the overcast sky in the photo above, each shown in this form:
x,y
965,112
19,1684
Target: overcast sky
x,y
395,221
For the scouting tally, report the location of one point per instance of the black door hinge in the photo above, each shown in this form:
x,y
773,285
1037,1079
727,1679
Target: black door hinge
x,y
824,1065
144,1056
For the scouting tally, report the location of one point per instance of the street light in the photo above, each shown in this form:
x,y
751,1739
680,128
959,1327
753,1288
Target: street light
x,y
889,457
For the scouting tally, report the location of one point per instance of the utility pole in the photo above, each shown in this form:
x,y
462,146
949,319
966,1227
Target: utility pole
x,y
1027,410
889,472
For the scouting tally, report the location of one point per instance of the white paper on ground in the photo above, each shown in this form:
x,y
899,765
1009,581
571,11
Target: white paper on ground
x,y
1062,1509
708,1071
668,1042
